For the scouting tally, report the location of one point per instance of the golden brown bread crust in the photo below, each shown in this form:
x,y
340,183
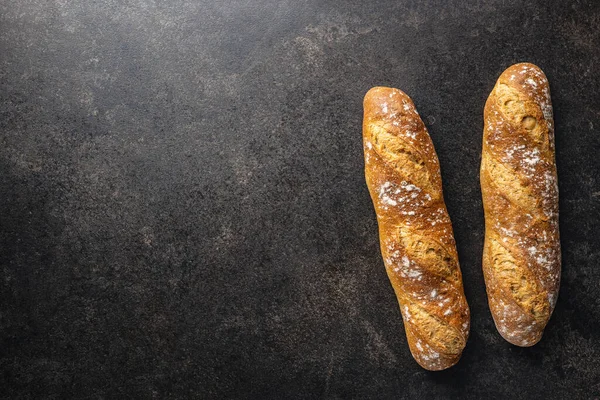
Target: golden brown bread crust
x,y
415,232
521,256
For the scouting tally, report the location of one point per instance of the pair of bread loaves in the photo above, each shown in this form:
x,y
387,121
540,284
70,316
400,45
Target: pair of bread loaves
x,y
521,256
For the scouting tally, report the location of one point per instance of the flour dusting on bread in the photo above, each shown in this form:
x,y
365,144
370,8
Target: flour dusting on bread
x,y
521,260
417,243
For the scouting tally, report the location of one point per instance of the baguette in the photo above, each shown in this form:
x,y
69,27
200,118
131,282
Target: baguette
x,y
417,244
521,256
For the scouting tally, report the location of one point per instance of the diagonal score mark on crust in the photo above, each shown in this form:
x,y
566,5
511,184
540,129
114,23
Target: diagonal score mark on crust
x,y
509,102
439,334
402,157
508,182
430,253
519,282
522,114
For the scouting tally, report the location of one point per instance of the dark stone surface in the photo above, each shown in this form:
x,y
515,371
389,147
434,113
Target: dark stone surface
x,y
183,210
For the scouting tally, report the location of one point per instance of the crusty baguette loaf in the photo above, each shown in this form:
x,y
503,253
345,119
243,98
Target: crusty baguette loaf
x,y
415,232
521,256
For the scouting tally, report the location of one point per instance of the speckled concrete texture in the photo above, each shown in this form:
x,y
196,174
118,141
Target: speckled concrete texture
x,y
183,209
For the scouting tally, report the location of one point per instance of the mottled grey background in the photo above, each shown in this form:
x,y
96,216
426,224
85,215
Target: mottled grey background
x,y
183,211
